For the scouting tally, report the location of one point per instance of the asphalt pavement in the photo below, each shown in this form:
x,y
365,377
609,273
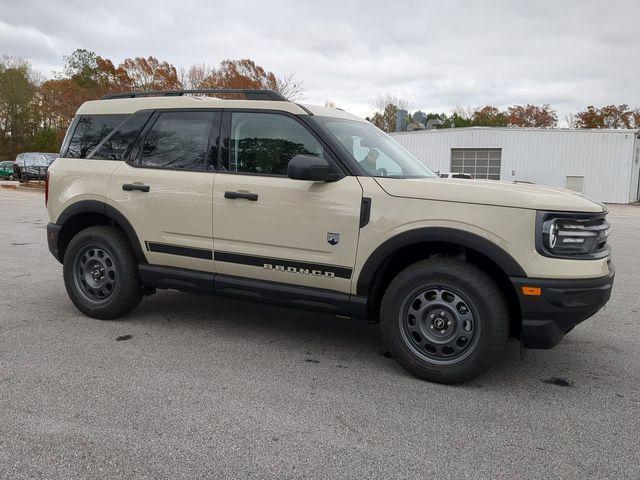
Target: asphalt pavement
x,y
201,387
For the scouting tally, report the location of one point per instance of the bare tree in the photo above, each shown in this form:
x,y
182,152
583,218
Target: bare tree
x,y
290,87
380,103
197,76
463,112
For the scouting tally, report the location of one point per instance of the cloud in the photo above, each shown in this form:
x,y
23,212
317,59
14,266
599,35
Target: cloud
x,y
437,54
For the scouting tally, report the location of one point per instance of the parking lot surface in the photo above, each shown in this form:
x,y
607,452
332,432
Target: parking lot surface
x,y
193,387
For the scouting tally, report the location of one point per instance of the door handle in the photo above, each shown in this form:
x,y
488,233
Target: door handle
x,y
128,187
253,197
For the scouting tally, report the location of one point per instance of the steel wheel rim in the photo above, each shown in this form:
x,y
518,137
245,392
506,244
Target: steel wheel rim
x,y
439,323
94,273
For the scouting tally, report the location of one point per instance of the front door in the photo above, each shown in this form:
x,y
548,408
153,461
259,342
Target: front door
x,y
269,227
165,189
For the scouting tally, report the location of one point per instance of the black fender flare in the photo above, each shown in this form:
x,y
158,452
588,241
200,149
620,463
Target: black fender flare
x,y
95,206
435,234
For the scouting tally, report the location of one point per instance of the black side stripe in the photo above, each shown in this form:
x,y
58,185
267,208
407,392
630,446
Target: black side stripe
x,y
178,250
279,264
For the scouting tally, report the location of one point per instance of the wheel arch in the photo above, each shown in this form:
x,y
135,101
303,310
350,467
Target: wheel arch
x,y
398,252
87,213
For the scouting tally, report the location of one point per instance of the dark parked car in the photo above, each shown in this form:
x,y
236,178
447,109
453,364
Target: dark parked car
x,y
32,165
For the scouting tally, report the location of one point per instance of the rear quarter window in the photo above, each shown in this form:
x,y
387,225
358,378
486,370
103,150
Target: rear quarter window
x,y
115,145
89,132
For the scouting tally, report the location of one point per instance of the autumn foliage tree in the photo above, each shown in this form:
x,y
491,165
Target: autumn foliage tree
x,y
34,114
149,74
608,116
542,116
489,116
241,74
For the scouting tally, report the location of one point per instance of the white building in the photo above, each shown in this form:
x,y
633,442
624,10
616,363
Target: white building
x,y
602,164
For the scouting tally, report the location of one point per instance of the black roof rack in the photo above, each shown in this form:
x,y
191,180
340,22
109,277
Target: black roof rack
x,y
248,94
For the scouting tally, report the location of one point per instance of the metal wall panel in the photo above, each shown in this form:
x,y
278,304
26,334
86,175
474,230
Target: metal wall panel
x,y
544,156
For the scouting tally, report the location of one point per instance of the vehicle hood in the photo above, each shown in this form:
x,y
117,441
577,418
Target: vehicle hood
x,y
489,192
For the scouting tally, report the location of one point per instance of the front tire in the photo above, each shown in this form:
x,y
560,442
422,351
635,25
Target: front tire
x,y
101,273
444,320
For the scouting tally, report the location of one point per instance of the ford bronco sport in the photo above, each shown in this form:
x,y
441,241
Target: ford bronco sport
x,y
263,199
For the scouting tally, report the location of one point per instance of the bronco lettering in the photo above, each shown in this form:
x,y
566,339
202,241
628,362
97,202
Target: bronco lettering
x,y
301,271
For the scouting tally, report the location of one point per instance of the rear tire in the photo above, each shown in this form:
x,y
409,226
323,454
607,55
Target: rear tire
x,y
444,320
101,273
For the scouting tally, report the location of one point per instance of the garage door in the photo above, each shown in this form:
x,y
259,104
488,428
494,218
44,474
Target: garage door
x,y
479,162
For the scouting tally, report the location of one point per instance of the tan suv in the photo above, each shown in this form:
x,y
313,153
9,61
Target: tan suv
x,y
264,199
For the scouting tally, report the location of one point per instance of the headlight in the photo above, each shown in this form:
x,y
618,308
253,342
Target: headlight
x,y
572,235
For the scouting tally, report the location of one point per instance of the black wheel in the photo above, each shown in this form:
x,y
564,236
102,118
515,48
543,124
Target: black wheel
x,y
101,273
444,320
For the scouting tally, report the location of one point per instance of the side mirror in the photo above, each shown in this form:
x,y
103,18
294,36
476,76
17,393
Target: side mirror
x,y
312,168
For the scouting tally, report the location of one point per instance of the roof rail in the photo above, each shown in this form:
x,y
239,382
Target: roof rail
x,y
248,94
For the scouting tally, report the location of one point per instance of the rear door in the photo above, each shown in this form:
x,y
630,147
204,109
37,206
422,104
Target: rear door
x,y
270,227
165,188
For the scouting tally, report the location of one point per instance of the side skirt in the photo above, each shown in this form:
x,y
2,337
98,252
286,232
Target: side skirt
x,y
316,299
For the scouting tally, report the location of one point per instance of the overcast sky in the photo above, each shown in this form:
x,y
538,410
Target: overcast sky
x,y
436,54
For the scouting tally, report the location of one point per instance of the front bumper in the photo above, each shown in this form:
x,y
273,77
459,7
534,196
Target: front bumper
x,y
562,305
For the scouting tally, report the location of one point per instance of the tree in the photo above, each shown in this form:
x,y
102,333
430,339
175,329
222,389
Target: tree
x,y
458,119
94,74
489,116
81,67
290,87
386,110
532,116
243,73
60,99
19,116
45,140
240,74
382,101
196,76
150,74
386,120
608,116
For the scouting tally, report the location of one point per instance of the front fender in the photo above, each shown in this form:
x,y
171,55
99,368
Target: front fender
x,y
435,234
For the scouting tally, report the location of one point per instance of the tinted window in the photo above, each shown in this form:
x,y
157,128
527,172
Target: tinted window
x,y
90,131
265,142
115,145
178,140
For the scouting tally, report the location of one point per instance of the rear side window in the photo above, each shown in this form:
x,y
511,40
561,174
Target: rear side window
x,y
263,143
89,132
178,140
114,146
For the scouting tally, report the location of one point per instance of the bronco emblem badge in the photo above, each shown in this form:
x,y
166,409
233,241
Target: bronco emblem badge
x,y
333,238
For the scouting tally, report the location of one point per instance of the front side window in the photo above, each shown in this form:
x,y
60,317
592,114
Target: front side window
x,y
376,152
264,143
89,132
178,140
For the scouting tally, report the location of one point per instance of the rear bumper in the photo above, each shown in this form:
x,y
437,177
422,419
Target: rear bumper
x,y
53,233
561,306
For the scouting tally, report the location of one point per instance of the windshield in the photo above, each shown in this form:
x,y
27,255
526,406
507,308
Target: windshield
x,y
378,153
